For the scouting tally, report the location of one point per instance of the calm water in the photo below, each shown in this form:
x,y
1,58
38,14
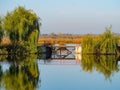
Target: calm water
x,y
32,73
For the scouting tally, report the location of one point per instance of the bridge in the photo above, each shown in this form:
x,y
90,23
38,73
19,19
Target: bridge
x,y
60,51
63,51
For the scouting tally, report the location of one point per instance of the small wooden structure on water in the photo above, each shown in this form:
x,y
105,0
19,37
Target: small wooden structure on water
x,y
62,51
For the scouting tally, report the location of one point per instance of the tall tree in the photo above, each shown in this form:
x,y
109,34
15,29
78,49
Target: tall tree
x,y
1,28
108,42
22,25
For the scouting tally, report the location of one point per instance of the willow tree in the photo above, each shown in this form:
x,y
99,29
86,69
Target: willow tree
x,y
105,43
21,25
88,44
108,42
1,29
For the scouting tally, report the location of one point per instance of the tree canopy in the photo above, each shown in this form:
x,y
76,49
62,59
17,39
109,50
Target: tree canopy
x,y
1,28
21,23
105,43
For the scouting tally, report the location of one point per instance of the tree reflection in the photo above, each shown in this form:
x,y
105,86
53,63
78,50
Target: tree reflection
x,y
22,74
1,74
105,64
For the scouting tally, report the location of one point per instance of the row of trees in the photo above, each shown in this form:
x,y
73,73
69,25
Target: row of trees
x,y
105,43
22,28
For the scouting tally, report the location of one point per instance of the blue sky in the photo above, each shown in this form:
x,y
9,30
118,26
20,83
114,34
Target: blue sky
x,y
71,16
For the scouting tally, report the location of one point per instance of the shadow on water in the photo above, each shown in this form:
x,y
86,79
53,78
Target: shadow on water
x,y
46,52
19,73
105,64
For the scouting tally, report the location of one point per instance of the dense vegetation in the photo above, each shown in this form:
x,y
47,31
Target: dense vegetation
x,y
105,43
22,28
1,29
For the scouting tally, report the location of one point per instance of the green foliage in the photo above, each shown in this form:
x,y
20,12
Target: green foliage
x,y
3,51
22,26
108,42
88,44
33,39
1,28
3,57
103,44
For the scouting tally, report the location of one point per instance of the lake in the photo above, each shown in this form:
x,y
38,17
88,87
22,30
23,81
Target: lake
x,y
63,71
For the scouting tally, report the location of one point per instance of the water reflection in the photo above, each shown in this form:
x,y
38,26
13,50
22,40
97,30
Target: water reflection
x,y
105,64
20,74
23,72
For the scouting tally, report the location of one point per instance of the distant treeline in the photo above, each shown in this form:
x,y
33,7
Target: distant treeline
x,y
74,35
62,38
59,39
